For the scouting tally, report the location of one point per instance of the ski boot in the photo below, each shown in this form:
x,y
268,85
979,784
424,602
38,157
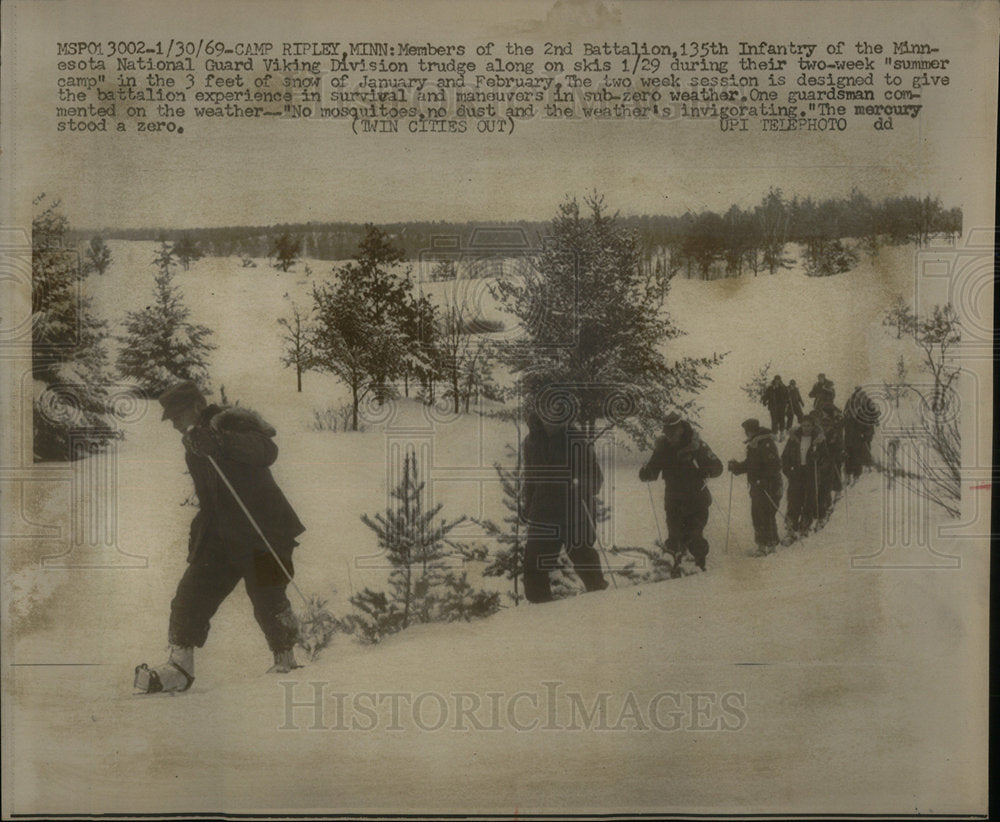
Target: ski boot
x,y
174,676
284,661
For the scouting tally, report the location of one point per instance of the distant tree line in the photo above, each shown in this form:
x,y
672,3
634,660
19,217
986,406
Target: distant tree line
x,y
700,245
754,241
320,241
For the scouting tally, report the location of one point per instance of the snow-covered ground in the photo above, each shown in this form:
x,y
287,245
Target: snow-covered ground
x,y
810,680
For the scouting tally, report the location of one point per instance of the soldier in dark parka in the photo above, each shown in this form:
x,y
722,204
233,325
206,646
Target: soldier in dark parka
x,y
795,405
822,391
831,420
685,463
806,463
775,399
560,482
861,416
763,469
224,547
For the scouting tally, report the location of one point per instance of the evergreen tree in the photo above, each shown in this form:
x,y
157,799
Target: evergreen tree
x,y
187,250
462,361
774,221
595,331
69,354
160,347
422,586
758,383
98,255
375,277
364,328
413,544
705,241
509,561
285,249
347,343
654,565
418,323
739,239
819,225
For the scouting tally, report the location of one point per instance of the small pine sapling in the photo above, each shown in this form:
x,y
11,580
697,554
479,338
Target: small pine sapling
x,y
754,389
424,586
508,562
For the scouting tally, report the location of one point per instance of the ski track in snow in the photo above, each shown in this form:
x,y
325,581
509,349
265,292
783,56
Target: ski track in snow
x,y
855,680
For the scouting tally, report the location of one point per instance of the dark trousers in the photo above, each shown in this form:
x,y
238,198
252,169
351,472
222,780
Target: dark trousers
x,y
778,420
803,497
762,513
213,573
857,454
541,555
685,522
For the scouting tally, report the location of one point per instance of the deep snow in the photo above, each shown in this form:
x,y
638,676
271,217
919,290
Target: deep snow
x,y
849,689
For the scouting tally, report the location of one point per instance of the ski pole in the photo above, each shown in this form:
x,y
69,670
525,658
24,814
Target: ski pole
x,y
600,544
656,517
843,488
253,522
729,512
847,509
816,493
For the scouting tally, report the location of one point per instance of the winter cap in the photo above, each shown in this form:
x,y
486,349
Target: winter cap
x,y
178,397
672,420
751,426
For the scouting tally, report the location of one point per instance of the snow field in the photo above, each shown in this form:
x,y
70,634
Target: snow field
x,y
844,684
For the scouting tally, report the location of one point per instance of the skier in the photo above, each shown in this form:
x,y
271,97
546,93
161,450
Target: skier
x,y
224,547
561,479
763,469
805,463
831,421
685,463
775,399
861,415
822,391
795,405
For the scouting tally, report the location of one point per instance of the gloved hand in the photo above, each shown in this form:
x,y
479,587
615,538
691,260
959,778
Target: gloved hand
x,y
731,465
201,443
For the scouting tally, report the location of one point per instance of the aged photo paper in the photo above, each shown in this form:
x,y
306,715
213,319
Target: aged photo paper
x,y
555,407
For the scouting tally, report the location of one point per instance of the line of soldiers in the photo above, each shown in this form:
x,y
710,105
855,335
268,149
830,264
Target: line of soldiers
x,y
246,530
827,450
561,480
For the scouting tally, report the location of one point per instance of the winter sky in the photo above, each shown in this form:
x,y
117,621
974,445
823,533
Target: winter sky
x,y
231,172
